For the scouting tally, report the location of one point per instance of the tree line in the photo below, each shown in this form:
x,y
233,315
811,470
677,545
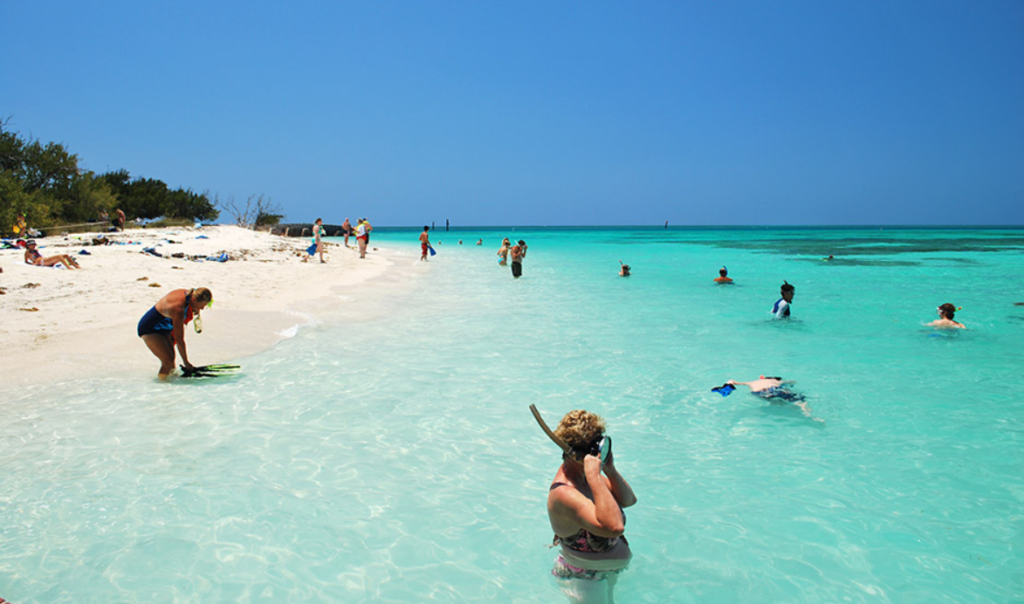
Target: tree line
x,y
44,183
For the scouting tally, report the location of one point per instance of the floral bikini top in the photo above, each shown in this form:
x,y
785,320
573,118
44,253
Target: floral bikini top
x,y
585,541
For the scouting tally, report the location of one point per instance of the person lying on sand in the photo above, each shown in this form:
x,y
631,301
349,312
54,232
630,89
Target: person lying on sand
x,y
163,326
33,257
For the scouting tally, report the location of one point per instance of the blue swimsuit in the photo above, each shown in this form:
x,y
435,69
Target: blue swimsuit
x,y
154,322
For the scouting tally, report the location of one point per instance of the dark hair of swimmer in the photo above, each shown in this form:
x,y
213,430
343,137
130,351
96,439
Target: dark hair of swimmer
x,y
948,310
723,272
786,287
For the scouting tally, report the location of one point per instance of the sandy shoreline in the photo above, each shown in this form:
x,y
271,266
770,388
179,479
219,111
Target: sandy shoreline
x,y
86,319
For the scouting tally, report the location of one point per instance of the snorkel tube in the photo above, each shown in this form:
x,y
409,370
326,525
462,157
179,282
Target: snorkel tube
x,y
544,426
600,448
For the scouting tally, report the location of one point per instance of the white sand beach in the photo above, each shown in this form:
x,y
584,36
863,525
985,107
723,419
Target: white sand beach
x,y
58,323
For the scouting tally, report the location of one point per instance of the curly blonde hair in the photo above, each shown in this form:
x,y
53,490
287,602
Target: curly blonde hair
x,y
579,427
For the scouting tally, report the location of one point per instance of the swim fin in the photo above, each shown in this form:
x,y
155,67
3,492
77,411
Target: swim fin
x,y
208,371
724,389
432,252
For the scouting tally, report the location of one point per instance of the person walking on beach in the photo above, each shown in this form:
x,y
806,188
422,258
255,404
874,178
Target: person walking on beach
x,y
362,236
120,220
945,321
163,326
586,500
781,308
424,243
503,252
346,230
318,233
723,276
518,253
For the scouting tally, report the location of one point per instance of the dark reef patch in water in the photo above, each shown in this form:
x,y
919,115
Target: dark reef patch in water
x,y
851,262
799,245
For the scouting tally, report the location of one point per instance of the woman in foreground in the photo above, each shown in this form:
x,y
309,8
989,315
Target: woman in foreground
x,y
585,503
163,326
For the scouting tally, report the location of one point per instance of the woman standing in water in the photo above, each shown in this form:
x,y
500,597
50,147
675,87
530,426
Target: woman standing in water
x,y
503,252
163,326
585,503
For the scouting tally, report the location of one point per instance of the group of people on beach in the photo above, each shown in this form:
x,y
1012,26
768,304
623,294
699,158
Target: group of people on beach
x,y
361,231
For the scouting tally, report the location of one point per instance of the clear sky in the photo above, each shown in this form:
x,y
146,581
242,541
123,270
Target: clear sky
x,y
540,113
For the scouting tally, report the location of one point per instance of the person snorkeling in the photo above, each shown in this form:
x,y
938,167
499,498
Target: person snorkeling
x,y
585,508
163,326
945,321
771,389
623,269
781,308
723,276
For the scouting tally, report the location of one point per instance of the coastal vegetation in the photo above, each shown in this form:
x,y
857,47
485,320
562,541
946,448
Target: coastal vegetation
x,y
44,182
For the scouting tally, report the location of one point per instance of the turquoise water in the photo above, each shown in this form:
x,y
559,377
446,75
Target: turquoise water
x,y
389,456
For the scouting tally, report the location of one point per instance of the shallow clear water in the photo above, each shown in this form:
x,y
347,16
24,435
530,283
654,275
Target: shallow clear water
x,y
391,457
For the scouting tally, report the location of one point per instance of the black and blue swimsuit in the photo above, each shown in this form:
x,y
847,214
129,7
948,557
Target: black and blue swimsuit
x,y
155,323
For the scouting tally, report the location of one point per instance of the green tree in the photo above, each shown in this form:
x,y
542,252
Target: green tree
x,y
44,182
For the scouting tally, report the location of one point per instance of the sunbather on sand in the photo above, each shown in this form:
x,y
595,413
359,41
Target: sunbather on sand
x,y
33,257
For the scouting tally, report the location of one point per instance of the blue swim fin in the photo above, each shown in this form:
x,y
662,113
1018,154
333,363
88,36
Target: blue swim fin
x,y
724,389
432,252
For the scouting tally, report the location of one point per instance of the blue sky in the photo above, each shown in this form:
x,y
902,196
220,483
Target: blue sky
x,y
547,113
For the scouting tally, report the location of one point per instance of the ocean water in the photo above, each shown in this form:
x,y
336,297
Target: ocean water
x,y
386,453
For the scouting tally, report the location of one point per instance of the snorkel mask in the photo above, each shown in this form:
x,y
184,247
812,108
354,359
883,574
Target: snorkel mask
x,y
599,447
